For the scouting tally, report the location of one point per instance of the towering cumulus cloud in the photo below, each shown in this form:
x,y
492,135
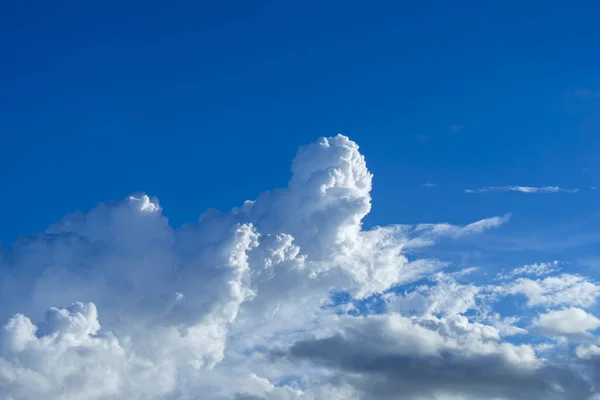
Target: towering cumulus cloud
x,y
285,297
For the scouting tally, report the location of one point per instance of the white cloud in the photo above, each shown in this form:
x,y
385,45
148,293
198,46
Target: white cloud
x,y
455,231
72,359
587,351
568,321
521,189
506,325
445,298
537,269
562,290
116,304
179,301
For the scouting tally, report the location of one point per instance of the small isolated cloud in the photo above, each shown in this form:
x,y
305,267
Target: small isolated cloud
x,y
521,189
429,185
456,128
568,321
424,235
445,229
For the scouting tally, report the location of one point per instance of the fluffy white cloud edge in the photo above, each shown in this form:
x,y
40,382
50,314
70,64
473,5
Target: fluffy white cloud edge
x,y
116,304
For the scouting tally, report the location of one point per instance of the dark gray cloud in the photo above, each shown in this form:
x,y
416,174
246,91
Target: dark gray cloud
x,y
381,375
243,396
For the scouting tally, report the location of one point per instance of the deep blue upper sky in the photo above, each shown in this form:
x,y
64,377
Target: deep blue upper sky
x,y
204,104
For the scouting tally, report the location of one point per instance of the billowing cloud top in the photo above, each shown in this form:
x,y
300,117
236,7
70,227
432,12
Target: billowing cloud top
x,y
285,297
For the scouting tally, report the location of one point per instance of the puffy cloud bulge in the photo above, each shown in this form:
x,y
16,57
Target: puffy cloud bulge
x,y
117,304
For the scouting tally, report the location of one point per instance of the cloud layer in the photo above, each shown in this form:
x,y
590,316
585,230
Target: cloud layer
x,y
284,297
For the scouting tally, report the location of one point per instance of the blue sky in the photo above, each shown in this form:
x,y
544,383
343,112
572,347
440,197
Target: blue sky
x,y
203,105
475,239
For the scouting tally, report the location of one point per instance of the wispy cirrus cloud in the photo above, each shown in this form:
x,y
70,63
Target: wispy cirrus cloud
x,y
522,189
445,229
427,234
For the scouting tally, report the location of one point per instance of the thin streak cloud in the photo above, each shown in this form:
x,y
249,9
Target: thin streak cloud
x,y
522,189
